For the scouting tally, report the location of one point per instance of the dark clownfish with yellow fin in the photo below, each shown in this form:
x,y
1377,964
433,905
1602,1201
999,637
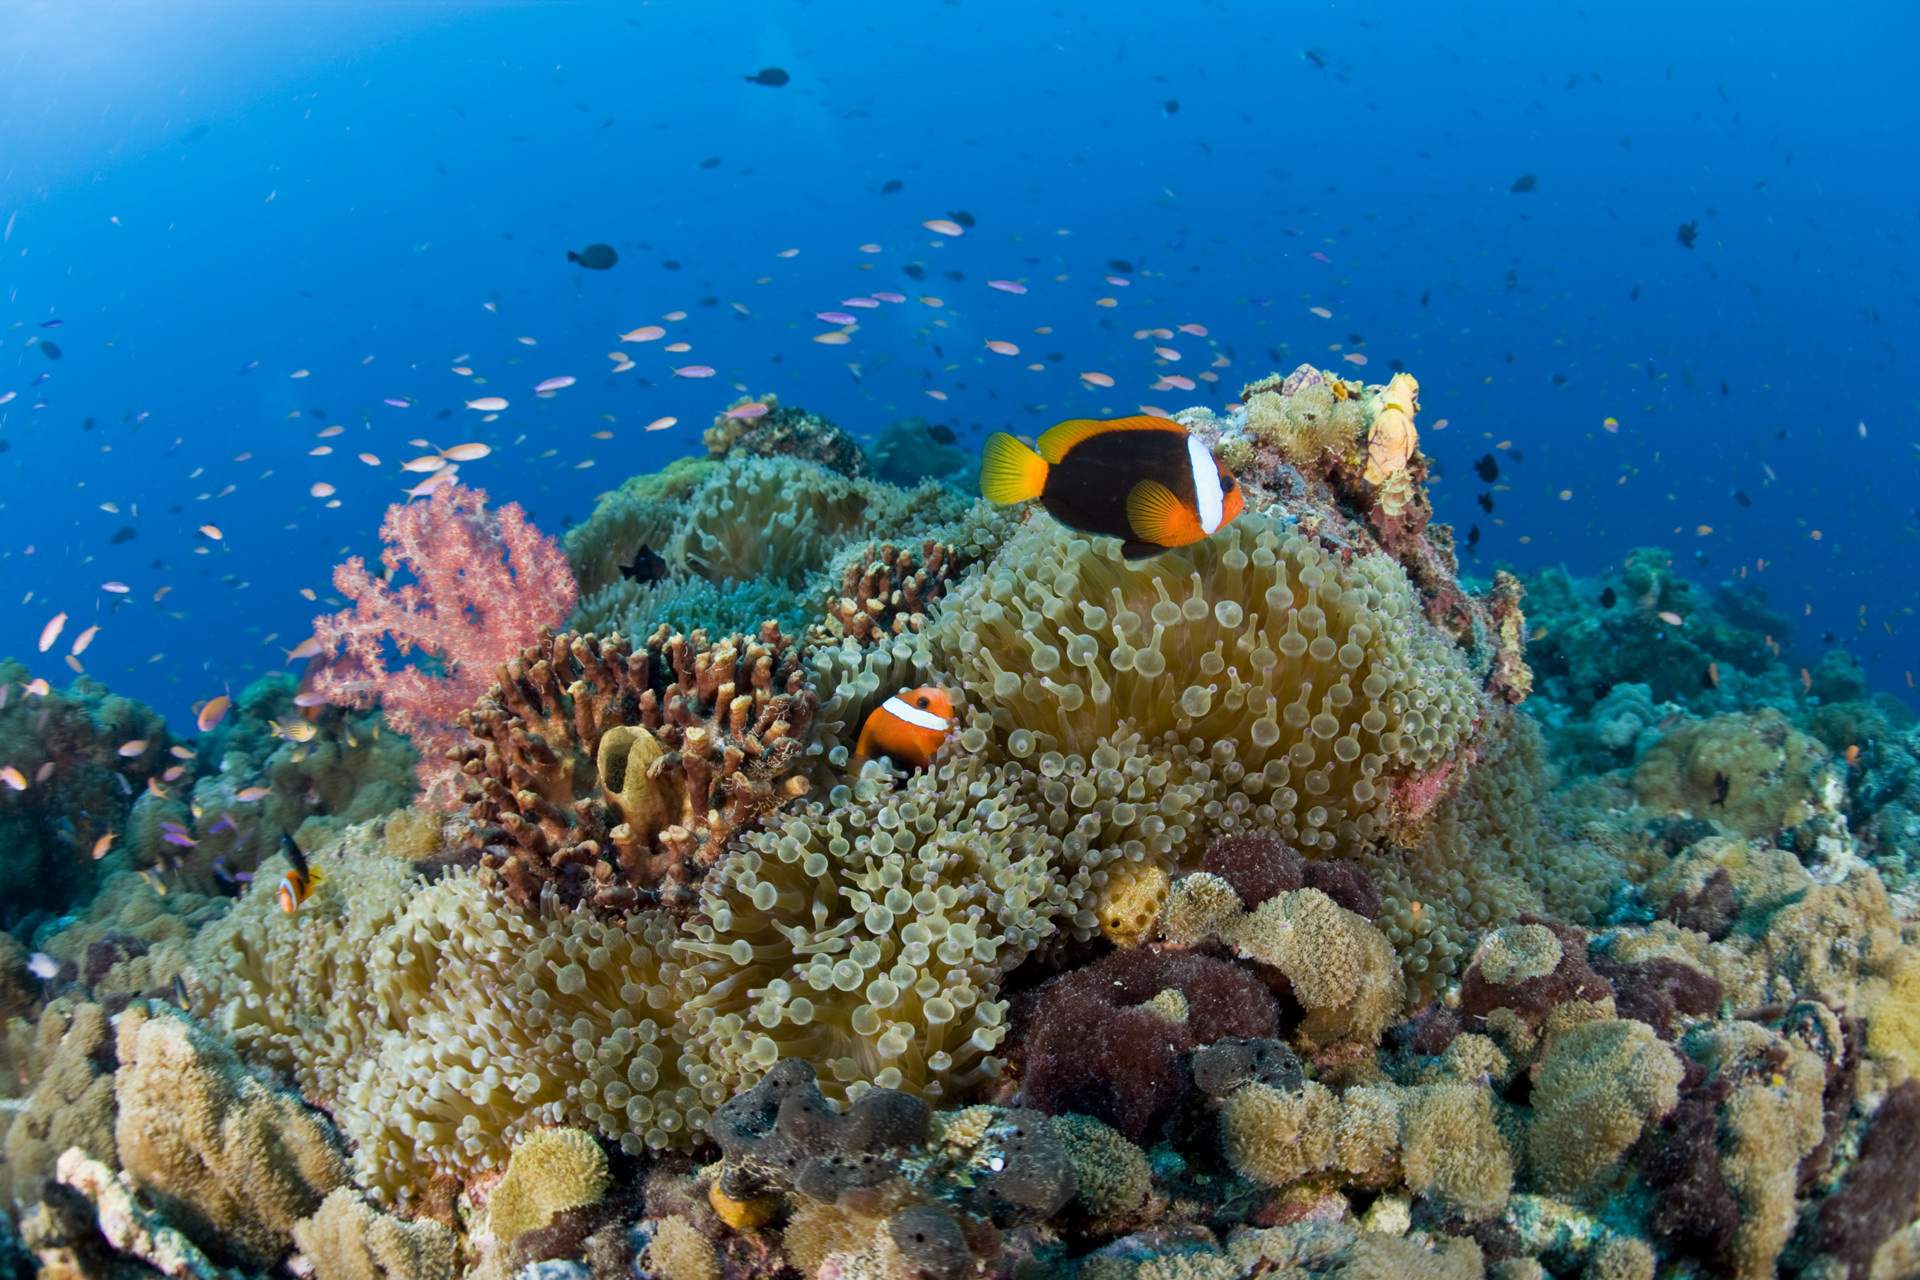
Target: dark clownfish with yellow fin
x,y
298,884
1143,480
908,728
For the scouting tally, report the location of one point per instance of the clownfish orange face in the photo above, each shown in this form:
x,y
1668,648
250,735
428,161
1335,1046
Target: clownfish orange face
x,y
908,727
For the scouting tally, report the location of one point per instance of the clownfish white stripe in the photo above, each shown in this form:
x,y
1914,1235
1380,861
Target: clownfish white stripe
x,y
1207,495
914,715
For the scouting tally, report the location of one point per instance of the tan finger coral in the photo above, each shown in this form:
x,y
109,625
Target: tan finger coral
x,y
230,1162
72,1100
347,1239
1288,687
617,776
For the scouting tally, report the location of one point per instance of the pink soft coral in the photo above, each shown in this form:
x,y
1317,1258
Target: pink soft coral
x,y
485,583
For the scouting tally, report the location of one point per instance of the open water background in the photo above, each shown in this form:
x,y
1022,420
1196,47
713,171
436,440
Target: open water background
x,y
212,197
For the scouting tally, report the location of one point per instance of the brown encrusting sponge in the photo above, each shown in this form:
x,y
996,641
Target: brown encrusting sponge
x,y
616,776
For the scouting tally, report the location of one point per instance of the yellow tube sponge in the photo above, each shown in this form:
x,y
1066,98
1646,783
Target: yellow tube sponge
x,y
233,1164
550,1171
870,938
347,1239
1599,1086
1290,688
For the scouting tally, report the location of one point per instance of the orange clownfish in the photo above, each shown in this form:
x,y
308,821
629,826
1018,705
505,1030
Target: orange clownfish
x,y
297,885
909,727
1143,480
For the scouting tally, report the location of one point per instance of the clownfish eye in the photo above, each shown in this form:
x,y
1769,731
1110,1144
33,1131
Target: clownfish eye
x,y
923,702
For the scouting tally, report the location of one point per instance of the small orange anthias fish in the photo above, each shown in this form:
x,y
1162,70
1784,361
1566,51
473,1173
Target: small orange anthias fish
x,y
908,727
1143,480
297,885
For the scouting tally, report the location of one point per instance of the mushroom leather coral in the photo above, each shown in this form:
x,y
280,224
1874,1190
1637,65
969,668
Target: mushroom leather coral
x,y
614,776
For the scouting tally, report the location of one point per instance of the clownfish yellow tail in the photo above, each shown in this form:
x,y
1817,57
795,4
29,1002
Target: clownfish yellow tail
x,y
1009,471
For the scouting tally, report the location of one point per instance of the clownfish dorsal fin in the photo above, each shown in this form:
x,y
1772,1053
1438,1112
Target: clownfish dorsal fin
x,y
1061,437
1009,471
1158,516
297,859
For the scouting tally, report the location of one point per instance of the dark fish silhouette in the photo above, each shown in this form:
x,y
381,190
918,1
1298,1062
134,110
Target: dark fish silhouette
x,y
1473,536
1689,232
1423,296
1121,265
1635,295
890,186
1486,502
961,216
1608,598
1740,496
125,533
772,77
711,162
647,566
1173,106
595,257
1721,785
1487,468
49,350
1523,184
941,433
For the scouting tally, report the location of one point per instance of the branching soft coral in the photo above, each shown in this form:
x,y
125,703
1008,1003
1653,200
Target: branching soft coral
x,y
485,583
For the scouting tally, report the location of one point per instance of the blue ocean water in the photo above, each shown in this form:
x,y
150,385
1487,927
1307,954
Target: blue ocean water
x,y
256,223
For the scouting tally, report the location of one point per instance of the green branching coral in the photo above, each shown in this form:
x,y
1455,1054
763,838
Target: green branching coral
x,y
1283,686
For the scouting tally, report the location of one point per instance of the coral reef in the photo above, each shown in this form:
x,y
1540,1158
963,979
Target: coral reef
x,y
83,756
1308,712
550,1172
617,776
485,582
346,1239
231,1163
783,431
910,450
1266,911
